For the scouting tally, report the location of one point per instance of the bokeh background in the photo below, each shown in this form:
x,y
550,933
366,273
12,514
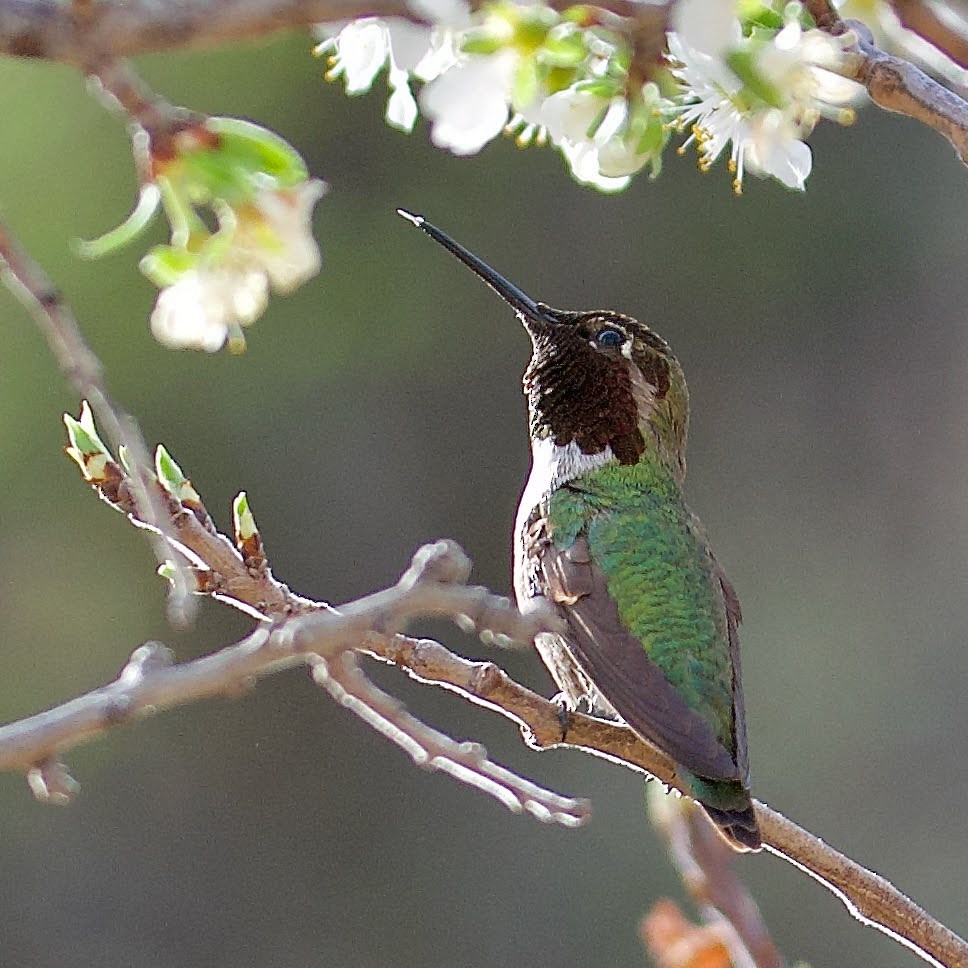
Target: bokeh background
x,y
825,342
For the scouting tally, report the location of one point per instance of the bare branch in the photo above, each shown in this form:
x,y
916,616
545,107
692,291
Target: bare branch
x,y
894,84
30,284
123,28
150,682
925,20
898,86
869,897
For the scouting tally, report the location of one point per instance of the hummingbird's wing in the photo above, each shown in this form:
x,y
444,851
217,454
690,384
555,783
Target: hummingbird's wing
x,y
614,659
734,615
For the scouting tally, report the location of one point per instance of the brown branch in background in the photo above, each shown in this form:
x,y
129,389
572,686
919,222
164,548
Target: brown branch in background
x,y
707,868
30,284
898,86
122,28
923,19
895,84
145,110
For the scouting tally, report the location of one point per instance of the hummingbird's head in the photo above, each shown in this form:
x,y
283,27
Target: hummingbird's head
x,y
597,379
603,379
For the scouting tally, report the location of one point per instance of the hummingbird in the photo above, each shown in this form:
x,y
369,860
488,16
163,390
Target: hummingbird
x,y
604,535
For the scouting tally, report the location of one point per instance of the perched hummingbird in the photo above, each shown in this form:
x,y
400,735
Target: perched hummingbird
x,y
603,533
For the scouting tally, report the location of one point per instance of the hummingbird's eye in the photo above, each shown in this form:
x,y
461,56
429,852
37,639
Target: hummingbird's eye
x,y
610,338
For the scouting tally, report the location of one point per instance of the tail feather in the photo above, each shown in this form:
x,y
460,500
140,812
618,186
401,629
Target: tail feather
x,y
728,804
737,827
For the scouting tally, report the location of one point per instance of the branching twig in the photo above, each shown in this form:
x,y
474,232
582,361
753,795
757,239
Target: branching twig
x,y
30,284
896,85
432,586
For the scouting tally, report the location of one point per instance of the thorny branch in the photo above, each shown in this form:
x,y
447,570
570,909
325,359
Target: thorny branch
x,y
114,29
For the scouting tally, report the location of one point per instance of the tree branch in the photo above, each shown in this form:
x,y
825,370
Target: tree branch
x,y
114,29
706,865
924,20
434,585
30,284
895,84
123,28
247,583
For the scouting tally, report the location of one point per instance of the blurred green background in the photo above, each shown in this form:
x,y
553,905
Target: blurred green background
x,y
825,343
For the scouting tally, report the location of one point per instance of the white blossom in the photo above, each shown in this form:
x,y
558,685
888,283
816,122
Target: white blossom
x,y
766,138
274,234
591,132
199,310
362,48
709,26
468,105
270,243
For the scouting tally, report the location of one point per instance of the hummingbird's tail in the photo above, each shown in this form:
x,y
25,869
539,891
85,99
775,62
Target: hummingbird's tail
x,y
728,805
737,827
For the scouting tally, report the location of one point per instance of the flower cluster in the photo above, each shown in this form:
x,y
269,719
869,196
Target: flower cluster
x,y
261,200
755,75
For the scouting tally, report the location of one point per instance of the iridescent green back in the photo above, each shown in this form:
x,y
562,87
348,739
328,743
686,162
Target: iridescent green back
x,y
660,574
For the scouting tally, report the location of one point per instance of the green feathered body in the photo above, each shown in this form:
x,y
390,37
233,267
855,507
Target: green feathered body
x,y
667,588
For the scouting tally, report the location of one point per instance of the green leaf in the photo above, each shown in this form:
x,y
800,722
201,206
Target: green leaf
x,y
164,265
168,472
603,87
173,479
244,522
742,63
167,570
482,43
258,150
564,47
526,84
83,434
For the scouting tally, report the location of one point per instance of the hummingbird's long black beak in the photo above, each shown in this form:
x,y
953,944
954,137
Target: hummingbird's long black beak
x,y
520,301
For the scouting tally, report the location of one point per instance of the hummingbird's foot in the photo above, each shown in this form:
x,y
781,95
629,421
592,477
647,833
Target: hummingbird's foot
x,y
564,713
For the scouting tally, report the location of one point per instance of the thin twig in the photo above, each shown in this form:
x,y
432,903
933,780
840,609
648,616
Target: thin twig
x,y
124,28
707,868
30,284
895,84
924,20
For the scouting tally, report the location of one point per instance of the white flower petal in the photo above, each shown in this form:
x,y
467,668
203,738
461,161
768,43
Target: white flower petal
x,y
363,47
276,238
401,107
468,105
408,43
709,26
569,115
